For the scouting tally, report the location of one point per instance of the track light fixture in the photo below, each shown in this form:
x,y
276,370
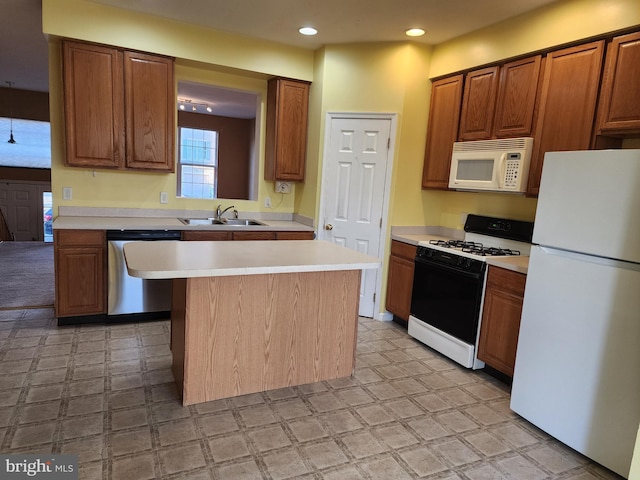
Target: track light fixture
x,y
184,103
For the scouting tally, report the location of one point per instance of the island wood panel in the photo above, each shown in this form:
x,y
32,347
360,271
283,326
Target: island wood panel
x,y
252,333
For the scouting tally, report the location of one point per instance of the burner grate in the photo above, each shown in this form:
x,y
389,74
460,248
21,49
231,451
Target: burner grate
x,y
475,248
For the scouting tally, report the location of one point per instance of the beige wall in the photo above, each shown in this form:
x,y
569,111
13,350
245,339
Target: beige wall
x,y
555,24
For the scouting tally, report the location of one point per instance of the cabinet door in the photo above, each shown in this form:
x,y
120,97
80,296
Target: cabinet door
x,y
501,319
150,110
190,235
80,272
478,104
567,104
620,97
254,235
400,279
295,235
517,98
442,131
286,137
399,286
93,105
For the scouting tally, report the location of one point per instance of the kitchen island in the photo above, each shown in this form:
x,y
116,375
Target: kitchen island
x,y
253,316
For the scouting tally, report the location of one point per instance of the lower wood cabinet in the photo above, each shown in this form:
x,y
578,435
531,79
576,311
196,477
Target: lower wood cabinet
x,y
501,319
400,280
295,235
80,272
205,235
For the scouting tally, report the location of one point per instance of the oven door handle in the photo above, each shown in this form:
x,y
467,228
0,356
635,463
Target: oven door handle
x,y
447,268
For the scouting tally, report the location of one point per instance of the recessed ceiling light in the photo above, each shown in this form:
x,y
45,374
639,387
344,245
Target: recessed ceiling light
x,y
308,31
414,32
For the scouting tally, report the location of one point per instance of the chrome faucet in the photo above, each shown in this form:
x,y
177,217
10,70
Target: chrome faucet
x,y
219,212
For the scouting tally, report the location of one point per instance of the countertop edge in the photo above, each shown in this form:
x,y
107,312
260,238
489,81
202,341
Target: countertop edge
x,y
231,272
175,259
518,264
168,223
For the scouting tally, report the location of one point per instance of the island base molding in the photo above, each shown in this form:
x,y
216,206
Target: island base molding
x,y
243,334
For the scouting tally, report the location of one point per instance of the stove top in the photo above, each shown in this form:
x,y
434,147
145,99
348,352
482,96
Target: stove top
x,y
475,248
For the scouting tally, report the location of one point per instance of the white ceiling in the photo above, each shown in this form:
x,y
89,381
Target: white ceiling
x,y
24,51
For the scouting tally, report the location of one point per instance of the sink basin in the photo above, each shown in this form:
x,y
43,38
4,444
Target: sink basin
x,y
240,222
200,221
235,222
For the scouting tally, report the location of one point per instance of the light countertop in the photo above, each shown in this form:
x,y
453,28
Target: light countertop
x,y
175,259
164,223
518,264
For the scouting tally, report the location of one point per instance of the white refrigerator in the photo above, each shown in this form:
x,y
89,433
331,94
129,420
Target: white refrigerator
x,y
577,373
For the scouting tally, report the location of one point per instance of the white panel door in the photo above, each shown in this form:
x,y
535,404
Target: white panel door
x,y
22,208
353,192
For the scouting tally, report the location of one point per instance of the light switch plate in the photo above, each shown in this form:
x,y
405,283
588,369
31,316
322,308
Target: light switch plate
x,y
164,198
67,193
267,202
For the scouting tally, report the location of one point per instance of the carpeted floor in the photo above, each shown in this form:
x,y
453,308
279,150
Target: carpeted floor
x,y
26,275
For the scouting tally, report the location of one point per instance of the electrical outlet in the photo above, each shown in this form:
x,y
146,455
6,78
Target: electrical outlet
x,y
283,187
267,202
164,198
67,193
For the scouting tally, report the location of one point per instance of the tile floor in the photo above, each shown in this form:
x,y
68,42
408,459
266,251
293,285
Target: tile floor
x,y
107,394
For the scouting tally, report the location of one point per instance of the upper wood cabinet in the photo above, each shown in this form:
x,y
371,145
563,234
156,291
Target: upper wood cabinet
x,y
150,111
119,108
516,102
442,131
619,108
567,104
478,104
499,102
93,106
286,136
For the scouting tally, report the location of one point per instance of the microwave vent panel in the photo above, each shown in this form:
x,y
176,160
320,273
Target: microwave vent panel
x,y
501,144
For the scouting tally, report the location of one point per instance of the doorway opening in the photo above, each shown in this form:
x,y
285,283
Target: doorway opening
x,y
47,216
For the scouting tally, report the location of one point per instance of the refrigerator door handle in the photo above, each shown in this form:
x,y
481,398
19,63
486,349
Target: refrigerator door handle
x,y
610,262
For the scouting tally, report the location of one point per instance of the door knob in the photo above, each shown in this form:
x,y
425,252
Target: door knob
x,y
328,226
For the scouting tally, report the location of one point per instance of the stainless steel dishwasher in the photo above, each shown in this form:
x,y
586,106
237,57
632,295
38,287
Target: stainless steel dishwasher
x,y
132,298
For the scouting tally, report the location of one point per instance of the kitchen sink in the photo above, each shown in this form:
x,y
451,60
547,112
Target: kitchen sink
x,y
235,222
201,221
240,222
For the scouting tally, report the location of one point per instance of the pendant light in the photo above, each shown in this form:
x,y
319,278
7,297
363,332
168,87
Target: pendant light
x,y
11,140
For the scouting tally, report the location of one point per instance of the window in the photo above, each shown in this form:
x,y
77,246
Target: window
x,y
198,163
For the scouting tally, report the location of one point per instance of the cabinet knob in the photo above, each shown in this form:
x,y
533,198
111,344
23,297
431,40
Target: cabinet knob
x,y
328,226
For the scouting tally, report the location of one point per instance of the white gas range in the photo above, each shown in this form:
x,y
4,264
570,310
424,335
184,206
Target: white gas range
x,y
449,282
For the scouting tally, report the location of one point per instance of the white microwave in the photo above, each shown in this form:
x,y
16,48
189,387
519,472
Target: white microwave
x,y
491,165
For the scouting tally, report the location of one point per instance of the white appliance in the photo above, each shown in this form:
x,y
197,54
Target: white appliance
x,y
491,165
449,280
577,373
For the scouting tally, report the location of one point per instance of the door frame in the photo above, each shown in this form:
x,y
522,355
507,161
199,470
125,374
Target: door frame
x,y
378,313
